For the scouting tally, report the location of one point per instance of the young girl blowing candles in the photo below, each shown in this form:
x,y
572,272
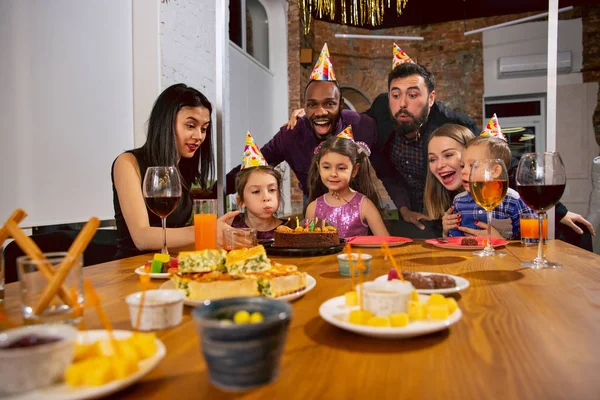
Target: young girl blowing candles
x,y
341,189
258,192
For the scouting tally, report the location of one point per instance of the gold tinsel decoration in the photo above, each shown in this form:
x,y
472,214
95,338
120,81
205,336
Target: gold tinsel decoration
x,y
361,11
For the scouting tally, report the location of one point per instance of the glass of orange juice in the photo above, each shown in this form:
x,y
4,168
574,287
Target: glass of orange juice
x,y
205,224
530,228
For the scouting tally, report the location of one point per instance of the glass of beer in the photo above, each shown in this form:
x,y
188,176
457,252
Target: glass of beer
x,y
530,230
205,224
488,182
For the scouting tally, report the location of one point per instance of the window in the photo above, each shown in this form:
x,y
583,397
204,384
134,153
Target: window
x,y
249,28
522,121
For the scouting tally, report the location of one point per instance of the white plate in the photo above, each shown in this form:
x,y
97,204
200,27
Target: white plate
x,y
310,284
335,311
461,284
62,391
161,275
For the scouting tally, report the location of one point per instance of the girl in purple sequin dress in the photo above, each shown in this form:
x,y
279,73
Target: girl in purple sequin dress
x,y
341,189
258,193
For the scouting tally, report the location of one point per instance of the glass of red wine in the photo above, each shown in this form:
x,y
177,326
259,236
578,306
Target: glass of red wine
x,y
541,180
488,182
162,191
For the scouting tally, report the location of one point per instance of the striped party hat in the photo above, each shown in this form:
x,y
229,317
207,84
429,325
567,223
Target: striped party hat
x,y
400,57
323,70
252,155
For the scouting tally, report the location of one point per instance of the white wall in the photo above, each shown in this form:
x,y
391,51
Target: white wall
x,y
575,101
575,141
526,39
65,106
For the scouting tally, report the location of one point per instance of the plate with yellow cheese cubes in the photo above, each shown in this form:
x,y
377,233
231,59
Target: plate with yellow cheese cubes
x,y
391,310
97,371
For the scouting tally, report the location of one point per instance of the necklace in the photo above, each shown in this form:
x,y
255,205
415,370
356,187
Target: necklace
x,y
336,195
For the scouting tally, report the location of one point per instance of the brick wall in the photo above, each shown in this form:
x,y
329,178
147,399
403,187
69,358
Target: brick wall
x,y
187,35
455,60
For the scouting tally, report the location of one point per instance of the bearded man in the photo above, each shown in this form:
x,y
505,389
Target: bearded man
x,y
406,116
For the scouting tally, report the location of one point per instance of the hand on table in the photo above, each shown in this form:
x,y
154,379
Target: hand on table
x,y
571,218
414,217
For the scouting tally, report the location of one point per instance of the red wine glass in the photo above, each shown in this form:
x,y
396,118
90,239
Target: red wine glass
x,y
541,180
162,191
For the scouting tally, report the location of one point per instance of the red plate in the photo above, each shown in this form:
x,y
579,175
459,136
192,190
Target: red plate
x,y
375,241
454,243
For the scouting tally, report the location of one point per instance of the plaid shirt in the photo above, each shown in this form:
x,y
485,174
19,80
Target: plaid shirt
x,y
505,217
407,157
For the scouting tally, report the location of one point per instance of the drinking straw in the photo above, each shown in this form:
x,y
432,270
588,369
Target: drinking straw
x,y
94,301
361,267
81,241
388,253
35,254
348,251
17,216
145,283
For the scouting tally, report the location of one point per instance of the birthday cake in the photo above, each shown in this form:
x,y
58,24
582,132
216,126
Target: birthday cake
x,y
306,236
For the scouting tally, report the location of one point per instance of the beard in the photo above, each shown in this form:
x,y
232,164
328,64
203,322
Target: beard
x,y
406,127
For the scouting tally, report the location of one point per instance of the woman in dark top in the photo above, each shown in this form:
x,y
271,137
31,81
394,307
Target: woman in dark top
x,y
178,134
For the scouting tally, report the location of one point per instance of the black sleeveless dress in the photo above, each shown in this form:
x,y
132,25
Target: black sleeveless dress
x,y
182,216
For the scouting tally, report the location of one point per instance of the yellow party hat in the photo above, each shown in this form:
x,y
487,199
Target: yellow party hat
x,y
346,133
400,57
252,155
492,129
323,70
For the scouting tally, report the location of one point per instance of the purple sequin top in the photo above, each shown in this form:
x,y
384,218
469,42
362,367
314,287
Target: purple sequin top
x,y
345,218
240,222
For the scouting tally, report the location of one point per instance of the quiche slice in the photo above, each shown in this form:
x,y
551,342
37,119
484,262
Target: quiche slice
x,y
214,285
279,281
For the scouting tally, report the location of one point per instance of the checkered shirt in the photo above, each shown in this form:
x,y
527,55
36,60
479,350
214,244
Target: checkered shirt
x,y
407,157
511,208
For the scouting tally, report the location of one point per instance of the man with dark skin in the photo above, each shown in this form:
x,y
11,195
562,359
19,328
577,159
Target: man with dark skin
x,y
324,117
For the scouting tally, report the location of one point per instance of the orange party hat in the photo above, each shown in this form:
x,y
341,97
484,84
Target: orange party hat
x,y
252,155
323,70
400,57
492,129
346,133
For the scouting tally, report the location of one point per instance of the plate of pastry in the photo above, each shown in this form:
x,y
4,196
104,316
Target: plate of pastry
x,y
465,243
429,282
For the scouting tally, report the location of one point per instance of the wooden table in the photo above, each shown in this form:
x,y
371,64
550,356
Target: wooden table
x,y
525,334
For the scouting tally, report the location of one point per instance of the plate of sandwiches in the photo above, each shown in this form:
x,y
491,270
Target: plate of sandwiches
x,y
215,274
465,243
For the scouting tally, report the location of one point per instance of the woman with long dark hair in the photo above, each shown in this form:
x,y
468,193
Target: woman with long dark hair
x,y
179,134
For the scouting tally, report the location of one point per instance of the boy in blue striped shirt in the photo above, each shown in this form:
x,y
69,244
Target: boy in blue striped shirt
x,y
471,216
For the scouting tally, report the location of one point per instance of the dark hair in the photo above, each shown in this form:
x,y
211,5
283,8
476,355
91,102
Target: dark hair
x,y
337,85
437,197
498,148
161,146
407,69
362,183
242,177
